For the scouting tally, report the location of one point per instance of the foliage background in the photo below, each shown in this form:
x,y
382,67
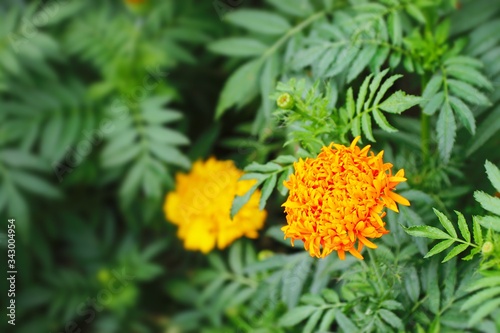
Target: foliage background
x,y
102,103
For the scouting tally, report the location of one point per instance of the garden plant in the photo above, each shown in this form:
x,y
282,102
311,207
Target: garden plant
x,y
249,166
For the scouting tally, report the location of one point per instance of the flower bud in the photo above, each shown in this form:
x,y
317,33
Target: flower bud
x,y
285,101
264,254
487,247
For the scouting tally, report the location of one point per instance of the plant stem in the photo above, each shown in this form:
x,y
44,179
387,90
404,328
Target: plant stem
x,y
291,32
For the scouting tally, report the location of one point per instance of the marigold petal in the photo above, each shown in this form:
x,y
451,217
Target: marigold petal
x,y
399,199
397,179
356,254
367,242
341,254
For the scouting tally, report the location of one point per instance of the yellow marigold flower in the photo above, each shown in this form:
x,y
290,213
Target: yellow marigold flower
x,y
201,204
338,198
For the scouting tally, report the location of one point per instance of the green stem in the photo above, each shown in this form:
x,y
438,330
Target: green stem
x,y
292,32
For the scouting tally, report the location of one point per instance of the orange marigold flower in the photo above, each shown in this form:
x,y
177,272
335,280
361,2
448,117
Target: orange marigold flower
x,y
338,198
201,204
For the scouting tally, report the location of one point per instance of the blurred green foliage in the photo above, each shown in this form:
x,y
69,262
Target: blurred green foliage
x,y
102,103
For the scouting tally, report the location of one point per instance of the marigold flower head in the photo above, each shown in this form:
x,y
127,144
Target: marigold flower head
x,y
201,204
338,198
285,101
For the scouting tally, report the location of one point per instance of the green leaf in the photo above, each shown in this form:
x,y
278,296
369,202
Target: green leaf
x,y
160,116
464,61
483,311
34,184
485,282
21,159
170,155
392,305
395,27
488,202
445,222
446,131
361,61
285,159
296,315
313,320
493,174
412,283
395,59
284,177
435,325
350,107
489,222
267,189
416,13
431,89
390,318
442,32
240,201
470,75
356,127
120,157
330,296
433,289
120,142
385,86
462,225
399,102
254,175
480,297
132,180
374,85
327,320
426,231
345,323
464,113
366,123
434,103
363,90
240,86
216,262
259,21
264,168
477,232
379,58
440,247
306,57
312,299
382,121
298,8
235,257
468,92
267,83
342,61
455,251
166,135
486,130
238,47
